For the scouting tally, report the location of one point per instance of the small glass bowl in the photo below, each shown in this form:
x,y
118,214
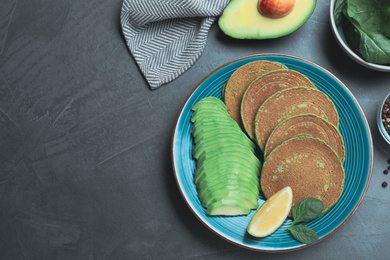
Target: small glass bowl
x,y
381,127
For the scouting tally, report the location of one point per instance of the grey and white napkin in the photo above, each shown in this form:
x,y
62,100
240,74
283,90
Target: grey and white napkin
x,y
166,37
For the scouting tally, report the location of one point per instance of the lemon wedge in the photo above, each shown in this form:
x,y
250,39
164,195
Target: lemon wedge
x,y
271,214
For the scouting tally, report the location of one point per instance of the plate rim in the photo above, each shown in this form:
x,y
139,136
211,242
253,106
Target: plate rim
x,y
368,180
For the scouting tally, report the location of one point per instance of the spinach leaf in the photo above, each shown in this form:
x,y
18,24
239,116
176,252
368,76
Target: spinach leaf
x,y
303,234
372,16
374,46
366,27
307,209
338,11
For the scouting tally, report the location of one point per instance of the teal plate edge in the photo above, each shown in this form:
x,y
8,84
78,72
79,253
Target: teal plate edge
x,y
358,163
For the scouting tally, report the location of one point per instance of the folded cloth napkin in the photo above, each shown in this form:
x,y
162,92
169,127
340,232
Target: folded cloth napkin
x,y
166,37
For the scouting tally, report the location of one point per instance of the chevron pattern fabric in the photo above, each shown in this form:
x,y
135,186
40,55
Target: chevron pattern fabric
x,y
166,37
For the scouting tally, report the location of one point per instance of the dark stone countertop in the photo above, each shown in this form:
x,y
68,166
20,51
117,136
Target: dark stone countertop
x,y
85,167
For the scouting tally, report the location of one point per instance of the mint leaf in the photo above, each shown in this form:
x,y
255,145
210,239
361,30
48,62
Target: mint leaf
x,y
307,209
303,234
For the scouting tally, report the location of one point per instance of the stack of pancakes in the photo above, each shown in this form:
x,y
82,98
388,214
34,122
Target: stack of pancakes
x,y
294,124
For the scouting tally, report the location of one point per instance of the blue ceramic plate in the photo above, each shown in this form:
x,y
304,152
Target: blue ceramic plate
x,y
358,163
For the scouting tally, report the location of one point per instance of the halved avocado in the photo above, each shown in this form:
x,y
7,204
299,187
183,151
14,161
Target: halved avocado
x,y
242,20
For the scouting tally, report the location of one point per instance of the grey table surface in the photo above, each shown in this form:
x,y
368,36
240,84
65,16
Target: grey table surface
x,y
85,167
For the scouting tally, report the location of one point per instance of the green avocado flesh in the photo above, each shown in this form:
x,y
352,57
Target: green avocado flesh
x,y
210,156
202,135
248,198
218,163
242,20
227,169
228,207
223,141
228,185
231,173
214,137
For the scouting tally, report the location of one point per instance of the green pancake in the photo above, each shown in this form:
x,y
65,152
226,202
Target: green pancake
x,y
289,102
308,124
309,165
239,81
263,87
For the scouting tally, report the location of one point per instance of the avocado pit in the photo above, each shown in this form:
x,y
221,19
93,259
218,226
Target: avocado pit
x,y
275,8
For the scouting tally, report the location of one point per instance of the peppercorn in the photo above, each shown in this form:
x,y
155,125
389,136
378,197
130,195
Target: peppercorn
x,y
384,184
388,167
388,161
385,171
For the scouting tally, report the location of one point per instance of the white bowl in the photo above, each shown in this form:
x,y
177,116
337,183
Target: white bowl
x,y
339,35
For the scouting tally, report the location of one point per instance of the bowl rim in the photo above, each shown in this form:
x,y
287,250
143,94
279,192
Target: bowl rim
x,y
346,48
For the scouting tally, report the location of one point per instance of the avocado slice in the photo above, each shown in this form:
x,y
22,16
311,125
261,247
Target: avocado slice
x,y
242,20
208,101
231,174
211,123
228,207
224,136
233,161
250,199
228,185
201,149
223,170
249,156
210,106
224,191
213,132
215,121
211,113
